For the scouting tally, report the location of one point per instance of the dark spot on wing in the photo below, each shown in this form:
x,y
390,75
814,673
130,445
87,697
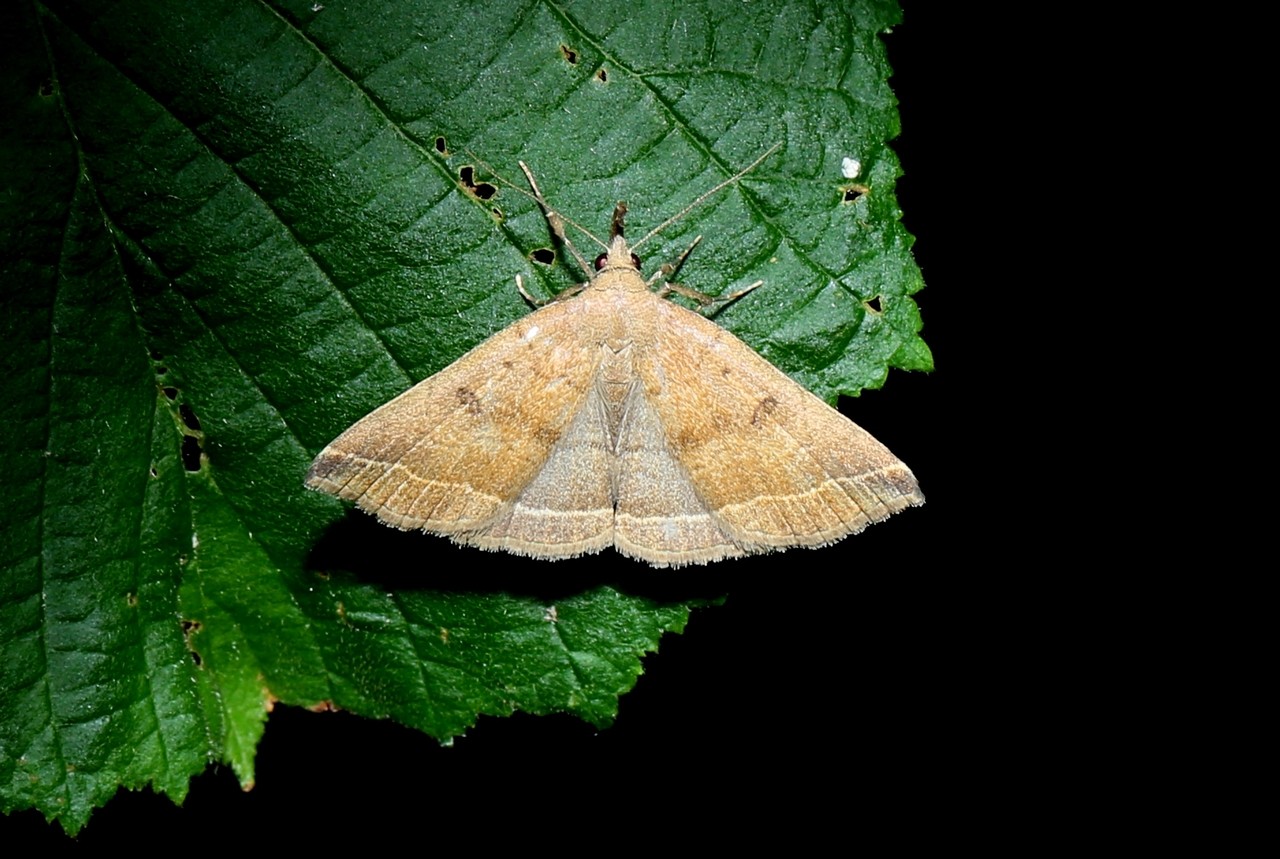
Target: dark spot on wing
x,y
764,408
468,399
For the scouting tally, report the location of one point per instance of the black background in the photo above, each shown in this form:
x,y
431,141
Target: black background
x,y
852,692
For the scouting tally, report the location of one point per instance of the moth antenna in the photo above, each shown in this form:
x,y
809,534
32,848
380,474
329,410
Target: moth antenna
x,y
702,198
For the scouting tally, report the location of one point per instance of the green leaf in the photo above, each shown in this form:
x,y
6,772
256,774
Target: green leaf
x,y
230,230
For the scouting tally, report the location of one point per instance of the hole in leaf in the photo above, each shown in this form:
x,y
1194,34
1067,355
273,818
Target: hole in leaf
x,y
440,147
189,417
190,453
853,192
497,213
602,76
482,190
171,393
569,54
546,256
874,305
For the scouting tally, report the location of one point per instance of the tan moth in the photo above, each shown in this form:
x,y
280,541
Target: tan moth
x,y
611,416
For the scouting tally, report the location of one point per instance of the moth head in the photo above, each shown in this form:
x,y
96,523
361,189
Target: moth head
x,y
618,255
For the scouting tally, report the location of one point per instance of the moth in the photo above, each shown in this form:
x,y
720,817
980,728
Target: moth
x,y
611,416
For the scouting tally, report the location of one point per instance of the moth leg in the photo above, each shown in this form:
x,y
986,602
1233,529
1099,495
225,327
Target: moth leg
x,y
669,268
555,220
705,301
559,296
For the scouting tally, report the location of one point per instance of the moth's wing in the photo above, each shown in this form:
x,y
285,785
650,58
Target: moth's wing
x,y
465,452
774,465
661,518
567,508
